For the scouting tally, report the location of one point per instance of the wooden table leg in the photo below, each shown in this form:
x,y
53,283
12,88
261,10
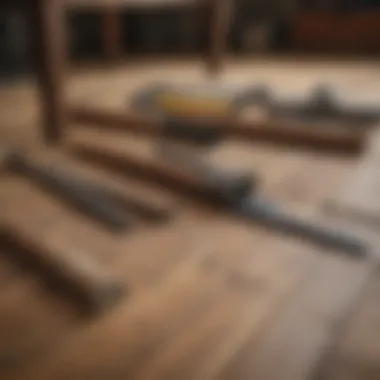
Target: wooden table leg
x,y
48,44
220,15
111,34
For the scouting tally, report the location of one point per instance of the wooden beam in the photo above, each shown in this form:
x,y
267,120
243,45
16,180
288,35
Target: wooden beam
x,y
112,33
48,43
337,139
220,15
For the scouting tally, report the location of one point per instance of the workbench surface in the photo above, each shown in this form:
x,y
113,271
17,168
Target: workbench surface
x,y
210,296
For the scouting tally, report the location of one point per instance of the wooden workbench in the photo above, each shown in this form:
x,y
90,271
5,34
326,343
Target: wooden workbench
x,y
210,296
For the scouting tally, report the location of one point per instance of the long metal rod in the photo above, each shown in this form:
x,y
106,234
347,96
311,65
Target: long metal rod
x,y
269,215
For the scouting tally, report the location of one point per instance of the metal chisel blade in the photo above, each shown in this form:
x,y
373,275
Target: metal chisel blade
x,y
271,216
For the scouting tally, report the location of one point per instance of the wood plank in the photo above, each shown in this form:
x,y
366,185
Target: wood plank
x,y
318,180
206,287
202,350
293,343
38,213
359,198
161,328
49,43
31,319
356,354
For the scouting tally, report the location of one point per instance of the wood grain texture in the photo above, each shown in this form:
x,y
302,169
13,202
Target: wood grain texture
x,y
211,296
302,334
356,354
358,199
73,273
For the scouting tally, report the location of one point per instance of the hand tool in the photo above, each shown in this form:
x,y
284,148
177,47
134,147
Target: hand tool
x,y
163,99
217,189
130,203
73,273
323,106
149,211
226,183
204,102
84,196
342,140
181,101
265,212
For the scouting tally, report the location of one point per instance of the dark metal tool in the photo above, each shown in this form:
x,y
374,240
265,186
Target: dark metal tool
x,y
196,130
216,187
147,210
323,106
259,210
227,184
82,195
270,215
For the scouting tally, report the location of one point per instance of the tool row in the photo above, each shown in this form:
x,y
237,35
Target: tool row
x,y
321,105
173,168
76,275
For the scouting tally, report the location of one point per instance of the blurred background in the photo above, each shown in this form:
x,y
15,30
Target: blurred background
x,y
251,287
303,26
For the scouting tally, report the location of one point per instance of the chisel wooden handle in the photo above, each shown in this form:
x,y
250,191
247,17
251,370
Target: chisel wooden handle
x,y
214,186
72,273
326,138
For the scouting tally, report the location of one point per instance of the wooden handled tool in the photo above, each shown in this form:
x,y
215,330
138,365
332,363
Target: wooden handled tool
x,y
82,195
72,273
204,182
343,140
219,188
149,211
